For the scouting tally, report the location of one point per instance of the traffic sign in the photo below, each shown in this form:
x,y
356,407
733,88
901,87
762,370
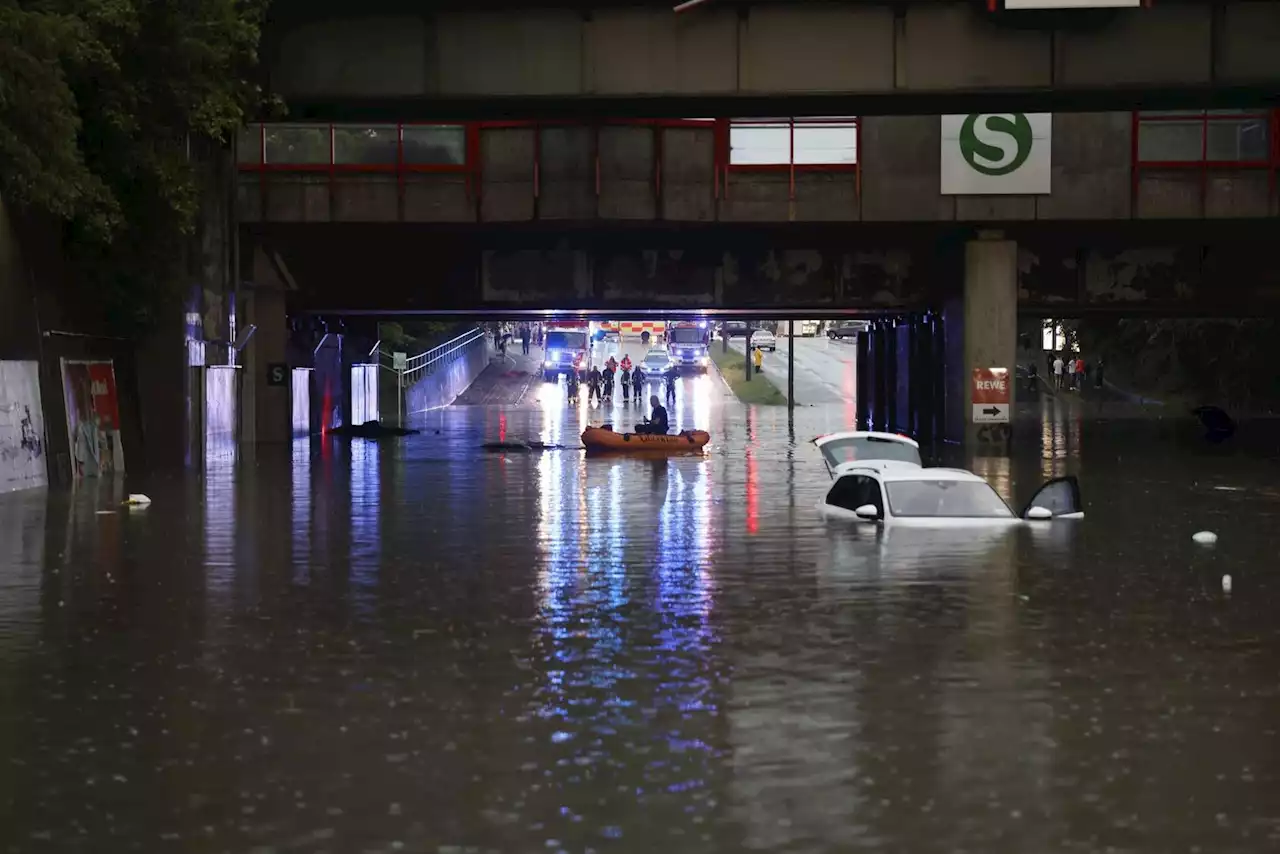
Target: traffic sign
x,y
277,374
399,360
990,395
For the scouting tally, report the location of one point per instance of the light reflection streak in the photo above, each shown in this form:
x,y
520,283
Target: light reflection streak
x,y
301,510
753,520
366,534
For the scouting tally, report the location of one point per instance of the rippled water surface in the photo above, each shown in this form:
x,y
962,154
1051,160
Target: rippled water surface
x,y
424,646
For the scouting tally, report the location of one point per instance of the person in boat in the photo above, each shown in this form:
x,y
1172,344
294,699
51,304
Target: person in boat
x,y
656,424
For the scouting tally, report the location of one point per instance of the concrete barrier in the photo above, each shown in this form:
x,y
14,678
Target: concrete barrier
x,y
448,378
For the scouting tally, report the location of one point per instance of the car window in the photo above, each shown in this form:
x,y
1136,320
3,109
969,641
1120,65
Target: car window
x,y
1061,496
865,448
946,499
854,490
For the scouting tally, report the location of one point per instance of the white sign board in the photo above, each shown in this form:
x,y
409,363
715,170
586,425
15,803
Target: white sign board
x,y
399,360
989,154
990,413
1072,4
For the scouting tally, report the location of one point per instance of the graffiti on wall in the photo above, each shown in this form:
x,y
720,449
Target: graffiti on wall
x,y
22,446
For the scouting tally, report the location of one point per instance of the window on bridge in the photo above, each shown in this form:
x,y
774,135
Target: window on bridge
x,y
1198,137
818,142
375,145
297,144
435,145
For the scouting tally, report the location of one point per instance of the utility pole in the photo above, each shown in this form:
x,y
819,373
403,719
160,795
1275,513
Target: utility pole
x,y
791,365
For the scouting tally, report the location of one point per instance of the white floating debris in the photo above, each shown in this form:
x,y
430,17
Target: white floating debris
x,y
137,499
1205,538
1226,584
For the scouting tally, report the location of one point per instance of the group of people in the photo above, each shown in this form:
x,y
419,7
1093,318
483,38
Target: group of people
x,y
529,334
1073,372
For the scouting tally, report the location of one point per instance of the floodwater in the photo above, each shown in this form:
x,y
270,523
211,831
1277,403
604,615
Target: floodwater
x,y
422,646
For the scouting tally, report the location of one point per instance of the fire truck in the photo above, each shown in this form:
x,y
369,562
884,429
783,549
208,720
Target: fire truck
x,y
688,344
566,348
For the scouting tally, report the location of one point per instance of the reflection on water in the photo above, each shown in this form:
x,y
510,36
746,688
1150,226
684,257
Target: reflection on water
x,y
422,646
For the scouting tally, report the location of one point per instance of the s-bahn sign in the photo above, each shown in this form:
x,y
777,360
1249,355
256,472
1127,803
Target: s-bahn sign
x,y
996,154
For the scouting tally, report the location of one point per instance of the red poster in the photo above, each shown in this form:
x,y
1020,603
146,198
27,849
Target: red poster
x,y
93,418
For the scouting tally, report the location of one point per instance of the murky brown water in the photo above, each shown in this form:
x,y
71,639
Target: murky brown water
x,y
425,647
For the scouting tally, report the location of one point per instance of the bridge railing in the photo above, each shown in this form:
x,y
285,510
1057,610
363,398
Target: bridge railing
x,y
426,364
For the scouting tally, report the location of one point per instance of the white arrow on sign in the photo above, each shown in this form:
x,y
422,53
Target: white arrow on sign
x,y
990,413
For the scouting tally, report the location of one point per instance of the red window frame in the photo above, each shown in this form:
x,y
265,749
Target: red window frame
x,y
724,153
1203,165
471,168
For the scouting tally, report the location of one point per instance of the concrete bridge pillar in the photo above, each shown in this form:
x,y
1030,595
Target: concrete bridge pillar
x,y
990,325
266,398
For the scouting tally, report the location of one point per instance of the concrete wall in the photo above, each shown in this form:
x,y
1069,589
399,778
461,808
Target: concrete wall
x,y
799,47
442,387
648,174
1210,269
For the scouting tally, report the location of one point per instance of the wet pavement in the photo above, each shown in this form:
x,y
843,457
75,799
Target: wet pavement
x,y
418,645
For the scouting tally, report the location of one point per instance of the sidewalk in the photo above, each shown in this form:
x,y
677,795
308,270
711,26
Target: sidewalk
x,y
507,381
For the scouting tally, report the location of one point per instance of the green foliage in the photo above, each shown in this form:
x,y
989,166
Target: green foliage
x,y
108,110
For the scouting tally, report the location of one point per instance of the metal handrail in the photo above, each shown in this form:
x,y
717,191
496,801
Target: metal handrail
x,y
437,354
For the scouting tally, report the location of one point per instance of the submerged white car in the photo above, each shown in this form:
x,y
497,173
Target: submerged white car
x,y
878,477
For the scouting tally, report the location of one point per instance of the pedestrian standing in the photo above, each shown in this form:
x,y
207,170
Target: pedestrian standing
x,y
1080,374
524,338
1058,367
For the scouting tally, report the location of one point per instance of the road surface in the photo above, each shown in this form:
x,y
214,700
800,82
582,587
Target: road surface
x,y
825,370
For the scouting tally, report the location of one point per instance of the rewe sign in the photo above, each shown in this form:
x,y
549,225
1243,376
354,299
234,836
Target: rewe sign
x,y
997,154
990,395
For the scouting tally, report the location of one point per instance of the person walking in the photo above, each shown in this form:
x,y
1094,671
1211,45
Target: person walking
x,y
524,338
1058,367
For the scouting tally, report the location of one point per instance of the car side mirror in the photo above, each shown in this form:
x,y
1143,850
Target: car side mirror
x,y
868,512
1040,514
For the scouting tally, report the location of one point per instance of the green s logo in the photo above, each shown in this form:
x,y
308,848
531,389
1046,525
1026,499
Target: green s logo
x,y
995,143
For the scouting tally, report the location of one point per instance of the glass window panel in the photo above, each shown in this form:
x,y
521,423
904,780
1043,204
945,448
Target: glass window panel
x,y
1242,140
299,145
373,145
759,144
1170,141
435,145
249,145
827,143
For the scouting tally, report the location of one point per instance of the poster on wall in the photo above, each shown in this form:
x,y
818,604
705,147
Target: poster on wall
x,y
22,446
93,418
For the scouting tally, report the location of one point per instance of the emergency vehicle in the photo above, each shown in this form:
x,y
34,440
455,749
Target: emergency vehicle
x,y
688,344
566,348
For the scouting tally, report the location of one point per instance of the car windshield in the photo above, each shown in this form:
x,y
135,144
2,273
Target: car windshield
x,y
657,357
945,499
566,340
686,336
863,448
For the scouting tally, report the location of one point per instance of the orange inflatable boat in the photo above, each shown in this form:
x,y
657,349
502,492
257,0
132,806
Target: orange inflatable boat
x,y
605,439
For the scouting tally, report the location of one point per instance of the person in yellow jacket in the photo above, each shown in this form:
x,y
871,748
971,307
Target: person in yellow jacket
x,y
758,356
